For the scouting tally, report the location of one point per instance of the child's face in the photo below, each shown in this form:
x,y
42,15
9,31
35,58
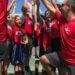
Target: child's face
x,y
9,17
48,15
18,21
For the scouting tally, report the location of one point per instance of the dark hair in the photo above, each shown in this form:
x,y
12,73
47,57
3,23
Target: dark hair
x,y
23,9
50,12
16,16
72,4
46,12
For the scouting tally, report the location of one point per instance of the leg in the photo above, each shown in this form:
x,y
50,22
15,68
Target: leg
x,y
36,67
46,64
3,55
37,55
71,69
62,71
0,68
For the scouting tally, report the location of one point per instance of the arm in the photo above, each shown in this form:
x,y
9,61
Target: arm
x,y
39,18
10,5
33,12
14,11
55,5
38,10
49,5
54,10
26,4
25,8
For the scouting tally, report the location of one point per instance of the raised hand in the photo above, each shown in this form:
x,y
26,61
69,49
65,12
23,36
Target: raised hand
x,y
37,2
53,1
13,1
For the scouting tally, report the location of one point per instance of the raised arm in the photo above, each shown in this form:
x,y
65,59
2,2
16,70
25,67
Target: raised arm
x,y
14,11
25,8
39,18
10,5
26,4
38,9
49,5
33,11
33,8
55,5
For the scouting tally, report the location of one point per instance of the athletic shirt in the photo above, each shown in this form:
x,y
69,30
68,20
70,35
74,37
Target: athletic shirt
x,y
28,26
39,33
9,32
47,35
67,36
17,34
54,29
3,11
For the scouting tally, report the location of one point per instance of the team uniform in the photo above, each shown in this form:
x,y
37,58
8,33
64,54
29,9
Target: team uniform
x,y
66,57
9,40
39,37
55,36
29,33
47,38
18,52
3,44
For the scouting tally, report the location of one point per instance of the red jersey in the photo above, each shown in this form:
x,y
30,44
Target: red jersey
x,y
9,32
38,34
17,34
3,11
67,37
54,29
28,26
47,35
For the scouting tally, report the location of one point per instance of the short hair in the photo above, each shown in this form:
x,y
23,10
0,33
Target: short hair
x,y
16,17
72,4
23,9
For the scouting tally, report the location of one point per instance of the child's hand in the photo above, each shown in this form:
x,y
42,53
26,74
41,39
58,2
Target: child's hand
x,y
26,40
53,1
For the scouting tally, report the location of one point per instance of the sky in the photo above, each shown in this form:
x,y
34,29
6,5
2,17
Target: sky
x,y
19,4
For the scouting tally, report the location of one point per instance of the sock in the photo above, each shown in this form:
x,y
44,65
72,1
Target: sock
x,y
27,68
17,73
36,71
21,72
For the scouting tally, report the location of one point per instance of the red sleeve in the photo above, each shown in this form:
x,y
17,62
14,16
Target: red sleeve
x,y
29,26
60,17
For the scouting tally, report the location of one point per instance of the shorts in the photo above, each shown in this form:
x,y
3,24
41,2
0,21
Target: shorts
x,y
9,49
39,51
3,50
18,54
55,45
48,50
56,61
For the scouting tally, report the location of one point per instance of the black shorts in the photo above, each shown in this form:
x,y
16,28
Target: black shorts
x,y
3,50
55,45
9,49
56,61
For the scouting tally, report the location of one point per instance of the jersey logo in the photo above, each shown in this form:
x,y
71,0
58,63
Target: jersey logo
x,y
19,33
29,22
67,30
48,29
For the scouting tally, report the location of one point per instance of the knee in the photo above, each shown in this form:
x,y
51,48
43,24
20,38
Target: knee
x,y
43,59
